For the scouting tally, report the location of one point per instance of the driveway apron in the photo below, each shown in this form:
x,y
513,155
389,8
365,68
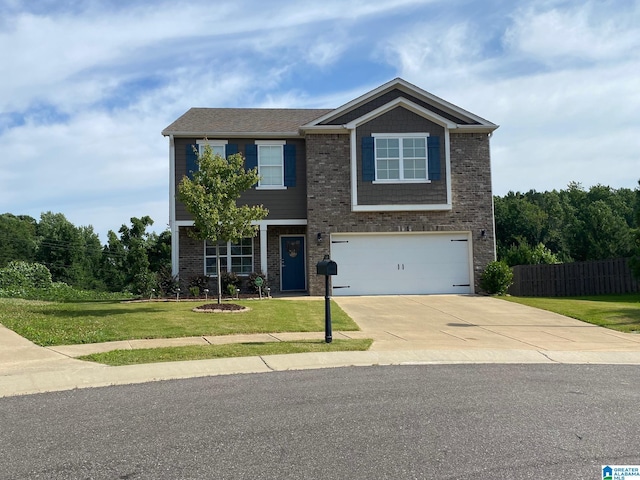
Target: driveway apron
x,y
418,322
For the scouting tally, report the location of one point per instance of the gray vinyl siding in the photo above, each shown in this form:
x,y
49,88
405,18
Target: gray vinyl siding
x,y
386,98
400,120
282,204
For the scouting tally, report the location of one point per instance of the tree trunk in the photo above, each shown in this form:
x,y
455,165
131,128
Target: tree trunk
x,y
218,273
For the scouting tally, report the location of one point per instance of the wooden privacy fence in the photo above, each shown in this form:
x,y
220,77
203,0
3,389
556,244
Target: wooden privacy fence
x,y
597,277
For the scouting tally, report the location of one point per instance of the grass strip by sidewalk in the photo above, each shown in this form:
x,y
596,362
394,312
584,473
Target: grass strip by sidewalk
x,y
617,312
204,352
51,323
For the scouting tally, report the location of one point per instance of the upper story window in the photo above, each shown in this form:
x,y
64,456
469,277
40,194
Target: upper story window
x,y
275,161
218,147
271,164
401,158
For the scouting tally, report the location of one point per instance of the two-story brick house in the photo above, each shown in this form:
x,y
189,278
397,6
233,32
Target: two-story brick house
x,y
395,186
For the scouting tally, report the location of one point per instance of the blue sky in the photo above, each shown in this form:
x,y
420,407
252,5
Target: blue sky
x,y
87,86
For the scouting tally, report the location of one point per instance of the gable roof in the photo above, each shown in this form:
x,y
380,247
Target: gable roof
x,y
292,122
451,115
242,121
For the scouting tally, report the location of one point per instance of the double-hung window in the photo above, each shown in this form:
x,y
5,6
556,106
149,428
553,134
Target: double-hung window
x,y
234,257
401,158
218,147
271,164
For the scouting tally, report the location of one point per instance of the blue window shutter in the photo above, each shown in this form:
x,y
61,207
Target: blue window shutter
x,y
251,156
192,160
433,149
368,159
230,149
289,165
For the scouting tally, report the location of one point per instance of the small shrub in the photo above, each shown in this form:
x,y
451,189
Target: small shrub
x,y
194,291
230,278
199,281
496,278
251,283
167,283
231,288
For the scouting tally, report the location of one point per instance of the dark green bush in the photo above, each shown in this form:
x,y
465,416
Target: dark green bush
x,y
496,278
251,282
230,278
19,274
167,283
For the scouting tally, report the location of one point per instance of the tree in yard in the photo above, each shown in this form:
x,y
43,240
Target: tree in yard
x,y
211,197
635,259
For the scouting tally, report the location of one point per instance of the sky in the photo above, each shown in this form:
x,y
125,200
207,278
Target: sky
x,y
87,86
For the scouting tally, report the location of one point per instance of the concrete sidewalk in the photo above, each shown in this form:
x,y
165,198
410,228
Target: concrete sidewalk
x,y
431,329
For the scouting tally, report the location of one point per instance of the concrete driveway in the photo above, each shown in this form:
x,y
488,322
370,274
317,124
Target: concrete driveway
x,y
463,322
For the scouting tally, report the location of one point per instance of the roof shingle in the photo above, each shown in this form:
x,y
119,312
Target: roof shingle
x,y
211,121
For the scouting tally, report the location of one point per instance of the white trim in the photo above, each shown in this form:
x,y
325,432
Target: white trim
x,y
270,187
304,264
396,181
213,143
270,142
234,134
401,207
173,226
354,170
277,222
263,249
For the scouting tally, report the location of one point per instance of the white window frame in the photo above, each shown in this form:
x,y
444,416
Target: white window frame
x,y
400,137
271,143
229,258
213,144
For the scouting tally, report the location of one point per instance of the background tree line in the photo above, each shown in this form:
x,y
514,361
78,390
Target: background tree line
x,y
568,225
131,261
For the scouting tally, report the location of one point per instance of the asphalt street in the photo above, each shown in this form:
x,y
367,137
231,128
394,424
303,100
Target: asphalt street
x,y
419,421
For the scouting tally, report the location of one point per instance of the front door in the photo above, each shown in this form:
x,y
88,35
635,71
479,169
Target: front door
x,y
292,270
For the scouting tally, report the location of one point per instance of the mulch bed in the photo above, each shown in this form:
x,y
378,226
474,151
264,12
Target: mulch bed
x,y
220,308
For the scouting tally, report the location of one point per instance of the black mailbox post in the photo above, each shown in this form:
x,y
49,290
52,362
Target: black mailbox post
x,y
327,267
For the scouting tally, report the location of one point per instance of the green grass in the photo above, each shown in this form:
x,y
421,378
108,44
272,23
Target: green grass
x,y
203,352
618,312
52,323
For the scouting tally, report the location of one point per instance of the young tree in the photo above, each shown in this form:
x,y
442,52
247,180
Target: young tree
x,y
211,197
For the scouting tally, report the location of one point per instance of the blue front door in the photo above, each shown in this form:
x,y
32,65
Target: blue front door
x,y
292,269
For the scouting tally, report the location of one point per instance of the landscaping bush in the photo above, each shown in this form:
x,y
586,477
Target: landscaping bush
x,y
496,278
197,284
230,278
19,274
60,292
251,282
167,284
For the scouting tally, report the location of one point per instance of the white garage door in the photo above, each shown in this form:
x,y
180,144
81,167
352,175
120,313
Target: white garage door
x,y
401,263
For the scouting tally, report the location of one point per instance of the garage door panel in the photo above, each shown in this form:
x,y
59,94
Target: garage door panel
x,y
403,263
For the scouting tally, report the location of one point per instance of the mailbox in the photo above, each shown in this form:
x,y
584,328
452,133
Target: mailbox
x,y
327,267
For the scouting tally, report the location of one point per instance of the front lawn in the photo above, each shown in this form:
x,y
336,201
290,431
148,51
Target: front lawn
x,y
618,312
202,352
51,323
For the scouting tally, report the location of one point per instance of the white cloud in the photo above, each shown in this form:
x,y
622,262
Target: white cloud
x,y
590,31
84,110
